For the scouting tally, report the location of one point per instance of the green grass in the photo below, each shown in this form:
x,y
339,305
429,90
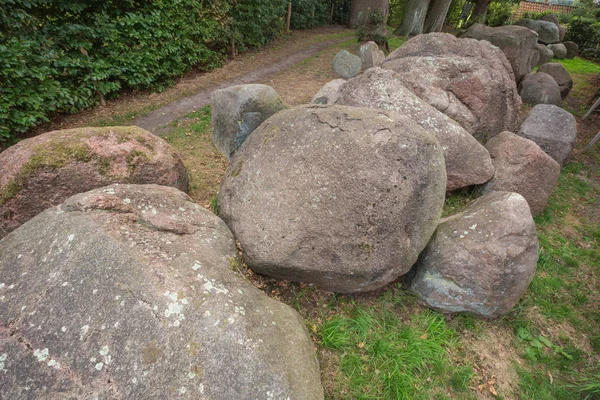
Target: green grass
x,y
382,357
396,42
579,65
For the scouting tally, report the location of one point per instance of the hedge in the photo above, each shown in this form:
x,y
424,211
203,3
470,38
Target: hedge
x,y
65,56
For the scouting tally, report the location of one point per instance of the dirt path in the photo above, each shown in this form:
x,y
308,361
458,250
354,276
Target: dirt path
x,y
158,120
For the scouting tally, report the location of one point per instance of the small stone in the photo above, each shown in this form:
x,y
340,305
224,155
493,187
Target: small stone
x,y
560,75
539,88
559,50
572,49
346,65
370,55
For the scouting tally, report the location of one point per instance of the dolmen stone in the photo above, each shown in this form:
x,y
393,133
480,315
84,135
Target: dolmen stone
x,y
539,88
517,42
370,55
43,171
551,128
346,65
572,49
554,19
238,110
329,93
469,80
522,167
559,50
560,75
131,292
467,161
545,54
481,260
347,205
547,31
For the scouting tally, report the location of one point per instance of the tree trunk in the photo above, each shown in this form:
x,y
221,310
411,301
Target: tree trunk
x,y
414,18
478,15
437,15
360,9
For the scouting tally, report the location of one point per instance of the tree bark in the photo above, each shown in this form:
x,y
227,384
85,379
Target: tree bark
x,y
478,15
360,9
436,16
414,18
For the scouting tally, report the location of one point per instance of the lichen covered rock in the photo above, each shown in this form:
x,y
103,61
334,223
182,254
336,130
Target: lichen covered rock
x,y
43,171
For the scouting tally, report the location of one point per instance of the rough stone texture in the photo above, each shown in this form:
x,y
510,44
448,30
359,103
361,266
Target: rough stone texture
x,y
547,31
553,129
539,88
238,110
329,93
467,161
560,75
370,55
559,50
522,167
348,204
469,80
40,172
346,65
554,19
572,49
517,42
480,261
545,54
130,292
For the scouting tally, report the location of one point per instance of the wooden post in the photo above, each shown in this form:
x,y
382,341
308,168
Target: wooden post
x,y
331,14
233,48
289,16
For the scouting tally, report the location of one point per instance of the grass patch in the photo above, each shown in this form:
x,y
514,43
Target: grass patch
x,y
396,42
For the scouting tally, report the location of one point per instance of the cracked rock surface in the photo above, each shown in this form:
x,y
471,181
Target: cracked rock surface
x,y
479,261
131,292
339,196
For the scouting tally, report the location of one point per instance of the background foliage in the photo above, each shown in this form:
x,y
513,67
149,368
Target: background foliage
x,y
65,56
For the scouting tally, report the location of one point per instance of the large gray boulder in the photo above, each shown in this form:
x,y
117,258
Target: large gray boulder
x,y
239,110
551,128
480,261
370,55
517,42
522,167
346,65
559,50
470,81
547,31
539,88
559,73
329,93
554,19
572,49
343,197
545,54
131,292
43,171
467,161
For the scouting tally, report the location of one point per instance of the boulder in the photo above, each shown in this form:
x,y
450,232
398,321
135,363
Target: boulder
x,y
545,53
370,55
348,204
554,19
480,261
467,161
131,292
517,42
329,93
547,31
522,167
539,88
559,50
346,65
238,110
572,49
43,171
551,128
470,81
559,73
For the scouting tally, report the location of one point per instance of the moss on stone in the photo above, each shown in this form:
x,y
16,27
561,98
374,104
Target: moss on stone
x,y
236,170
235,264
9,191
103,165
134,157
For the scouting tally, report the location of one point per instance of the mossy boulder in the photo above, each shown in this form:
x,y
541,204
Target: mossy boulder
x,y
43,171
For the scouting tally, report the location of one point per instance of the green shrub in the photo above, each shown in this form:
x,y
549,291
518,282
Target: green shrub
x,y
499,13
586,33
374,29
